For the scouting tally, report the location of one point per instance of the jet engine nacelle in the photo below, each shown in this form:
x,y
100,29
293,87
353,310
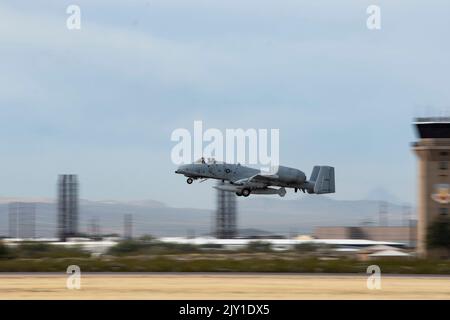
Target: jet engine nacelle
x,y
290,175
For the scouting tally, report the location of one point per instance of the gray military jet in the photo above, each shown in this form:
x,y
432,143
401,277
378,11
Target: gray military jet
x,y
245,181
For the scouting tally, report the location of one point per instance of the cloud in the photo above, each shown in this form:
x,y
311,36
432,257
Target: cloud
x,y
113,91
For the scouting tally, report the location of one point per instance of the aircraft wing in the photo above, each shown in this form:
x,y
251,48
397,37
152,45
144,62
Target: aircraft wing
x,y
264,180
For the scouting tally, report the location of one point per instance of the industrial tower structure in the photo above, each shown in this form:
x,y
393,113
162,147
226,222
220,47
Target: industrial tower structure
x,y
67,206
433,152
226,214
22,220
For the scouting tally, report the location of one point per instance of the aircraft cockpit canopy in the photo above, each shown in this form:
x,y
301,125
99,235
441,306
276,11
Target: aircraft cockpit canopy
x,y
208,161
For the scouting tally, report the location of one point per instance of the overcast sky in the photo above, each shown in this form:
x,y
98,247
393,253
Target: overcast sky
x,y
103,101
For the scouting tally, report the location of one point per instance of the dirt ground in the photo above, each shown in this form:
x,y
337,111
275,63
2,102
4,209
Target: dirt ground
x,y
221,286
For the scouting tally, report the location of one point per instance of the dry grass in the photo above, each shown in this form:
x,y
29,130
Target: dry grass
x,y
221,286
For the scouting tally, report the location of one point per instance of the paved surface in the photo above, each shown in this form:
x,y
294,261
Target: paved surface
x,y
221,286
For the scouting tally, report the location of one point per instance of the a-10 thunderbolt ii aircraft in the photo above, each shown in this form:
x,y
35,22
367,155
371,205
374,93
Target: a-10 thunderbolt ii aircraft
x,y
245,181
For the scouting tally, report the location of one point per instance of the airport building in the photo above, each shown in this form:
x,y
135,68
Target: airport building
x,y
433,153
405,235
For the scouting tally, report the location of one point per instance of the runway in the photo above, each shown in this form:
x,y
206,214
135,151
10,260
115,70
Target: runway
x,y
221,286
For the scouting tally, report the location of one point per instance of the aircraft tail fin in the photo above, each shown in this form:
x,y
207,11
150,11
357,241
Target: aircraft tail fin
x,y
323,179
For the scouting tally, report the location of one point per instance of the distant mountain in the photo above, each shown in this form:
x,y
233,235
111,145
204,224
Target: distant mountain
x,y
274,215
381,194
7,200
303,214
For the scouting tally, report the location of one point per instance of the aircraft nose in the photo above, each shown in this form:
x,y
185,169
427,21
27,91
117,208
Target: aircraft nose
x,y
181,169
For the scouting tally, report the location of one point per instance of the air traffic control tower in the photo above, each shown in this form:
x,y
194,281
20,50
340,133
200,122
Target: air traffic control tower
x,y
433,152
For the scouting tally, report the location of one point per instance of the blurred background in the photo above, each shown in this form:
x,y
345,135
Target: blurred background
x,y
87,114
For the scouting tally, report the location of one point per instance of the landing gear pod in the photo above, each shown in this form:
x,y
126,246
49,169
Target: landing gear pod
x,y
281,191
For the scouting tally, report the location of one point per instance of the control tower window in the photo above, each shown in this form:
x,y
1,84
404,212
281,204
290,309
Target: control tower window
x,y
443,165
